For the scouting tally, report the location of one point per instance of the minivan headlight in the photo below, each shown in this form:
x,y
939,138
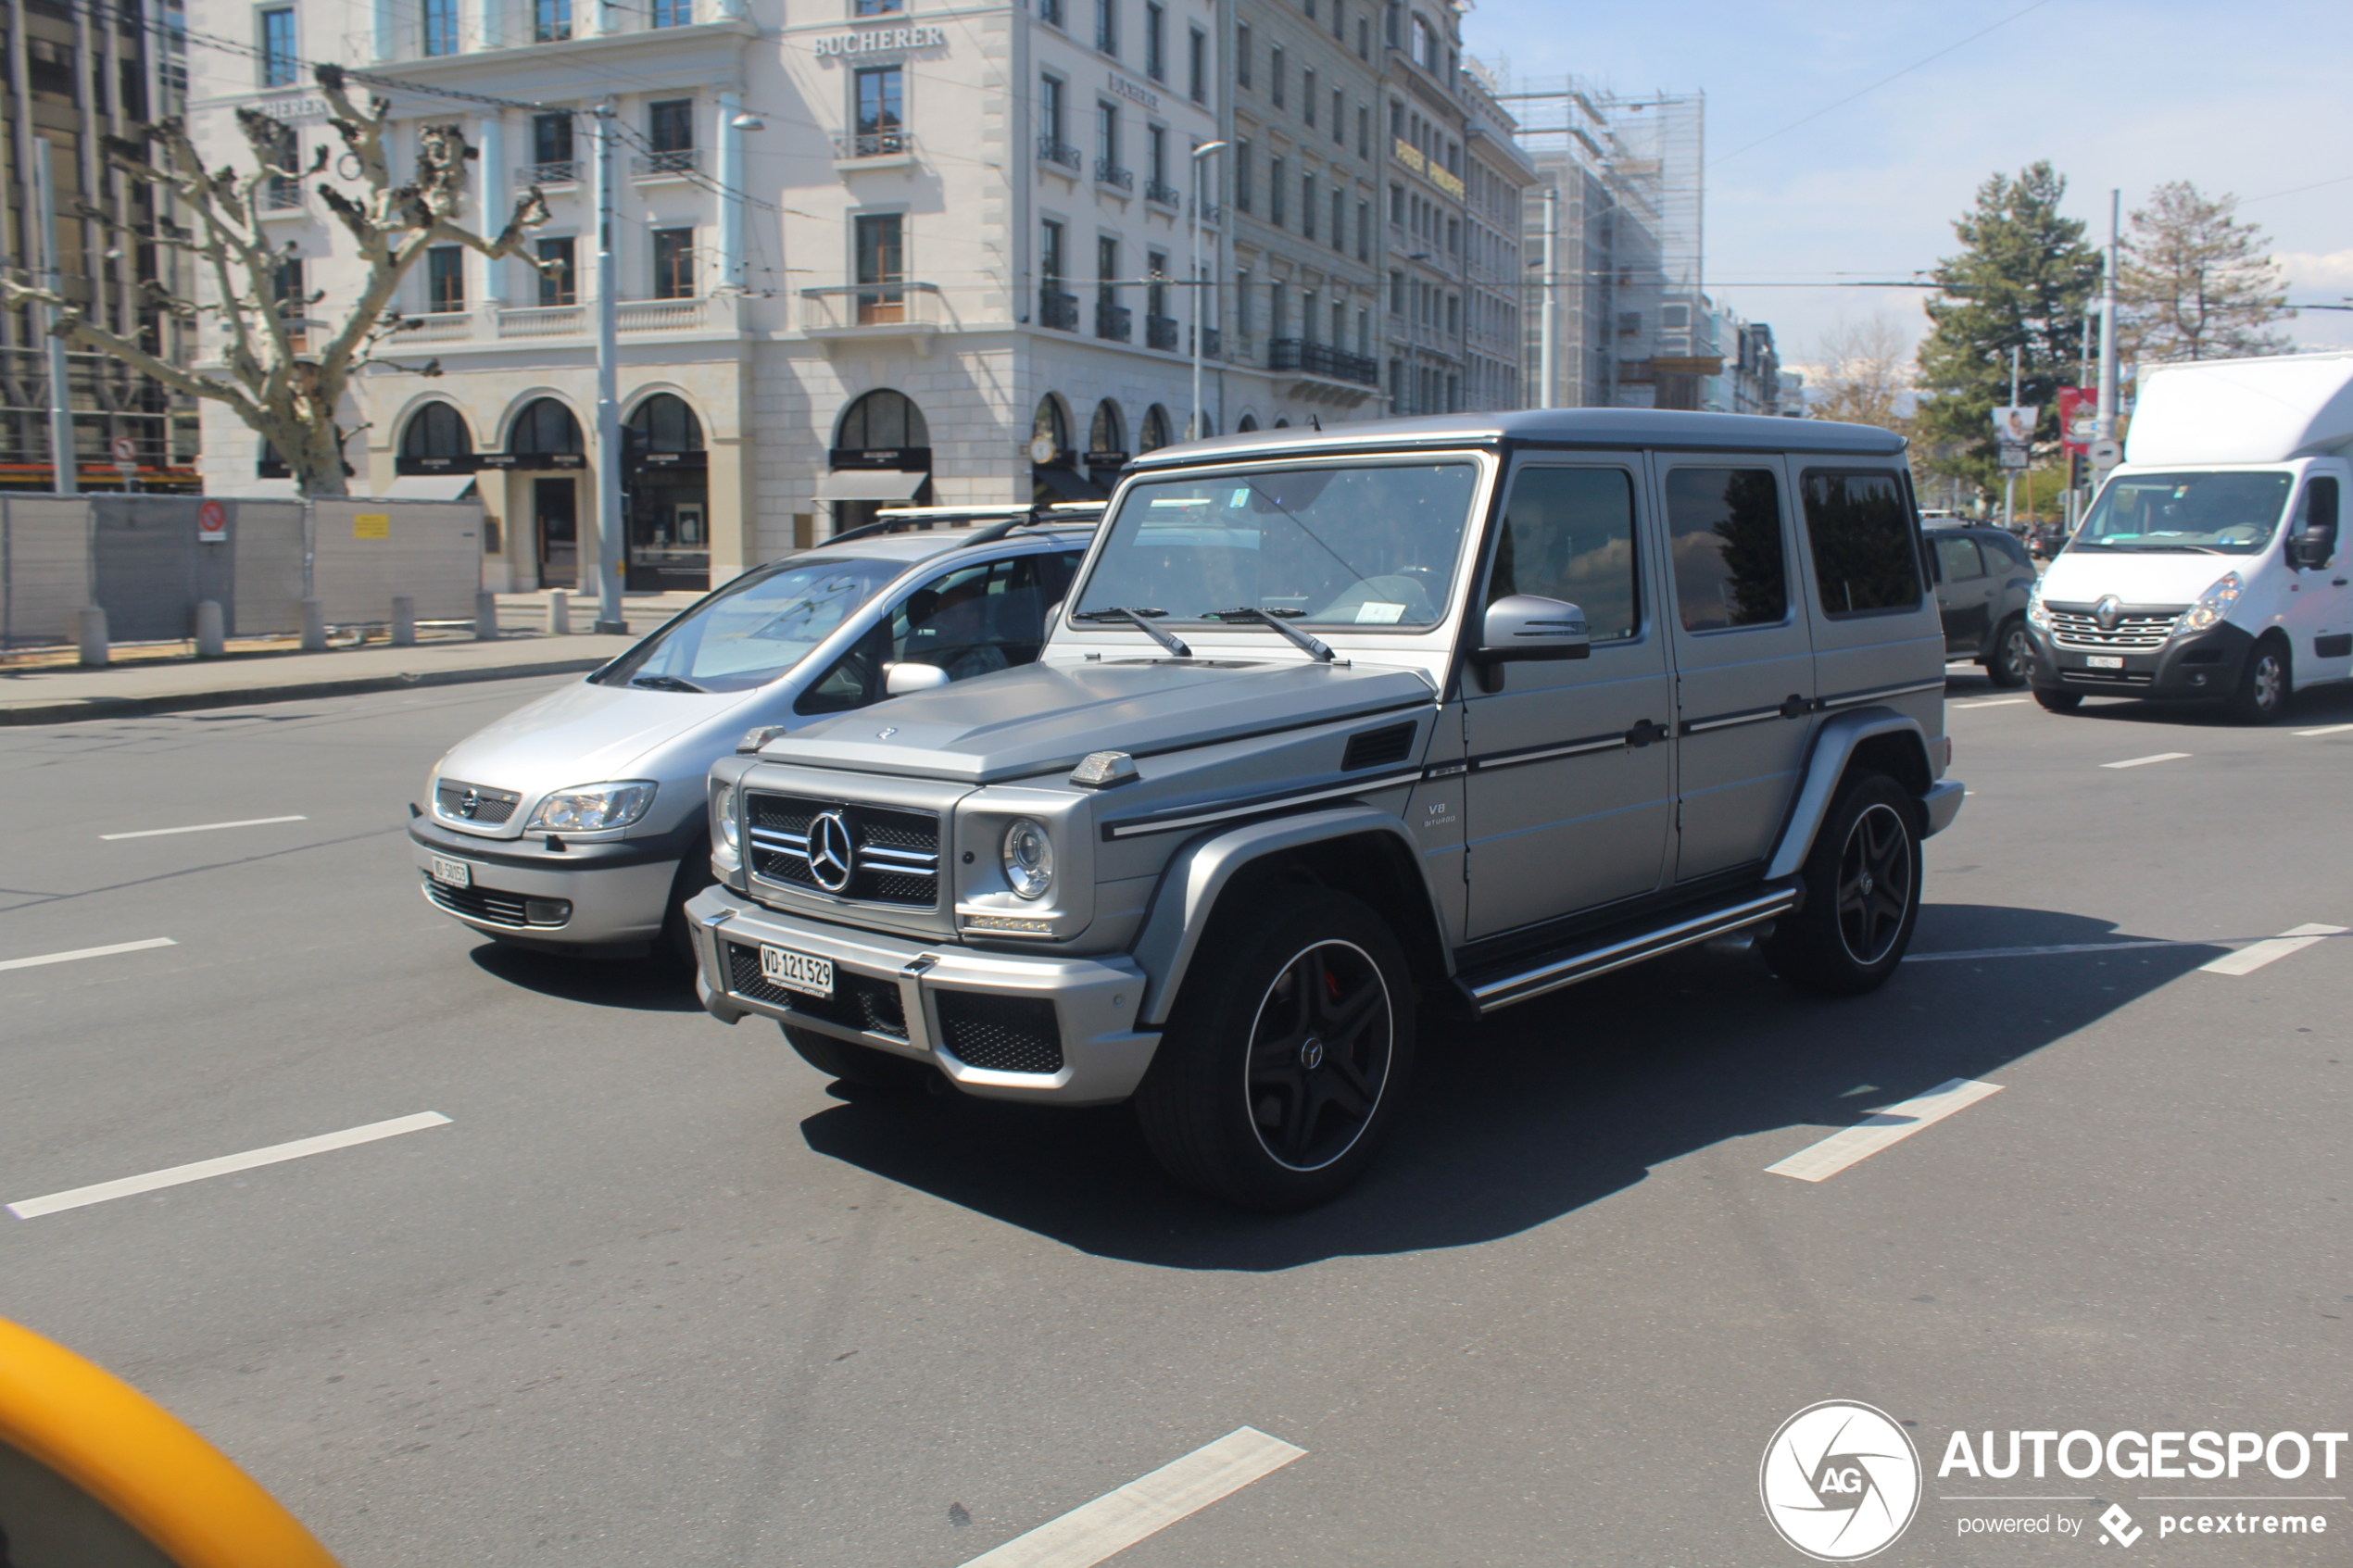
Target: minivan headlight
x,y
2213,604
1030,858
592,807
723,814
2035,613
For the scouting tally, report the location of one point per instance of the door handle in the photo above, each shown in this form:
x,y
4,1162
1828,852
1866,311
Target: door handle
x,y
1645,732
2336,582
1795,707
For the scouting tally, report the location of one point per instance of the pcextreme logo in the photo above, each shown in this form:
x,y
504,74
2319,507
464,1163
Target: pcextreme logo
x,y
1839,1481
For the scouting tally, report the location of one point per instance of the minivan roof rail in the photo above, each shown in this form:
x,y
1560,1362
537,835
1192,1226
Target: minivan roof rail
x,y
1007,519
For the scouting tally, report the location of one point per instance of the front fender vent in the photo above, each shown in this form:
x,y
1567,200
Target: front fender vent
x,y
1378,748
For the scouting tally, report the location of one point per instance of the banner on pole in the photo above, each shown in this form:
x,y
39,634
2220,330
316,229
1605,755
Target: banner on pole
x,y
2079,413
2015,424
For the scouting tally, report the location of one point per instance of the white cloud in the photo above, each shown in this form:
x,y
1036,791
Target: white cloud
x,y
2319,274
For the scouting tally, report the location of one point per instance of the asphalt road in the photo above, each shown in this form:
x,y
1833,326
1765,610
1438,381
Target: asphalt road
x,y
655,1294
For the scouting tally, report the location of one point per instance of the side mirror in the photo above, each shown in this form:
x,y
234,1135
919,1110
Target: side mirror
x,y
898,680
1526,626
2312,549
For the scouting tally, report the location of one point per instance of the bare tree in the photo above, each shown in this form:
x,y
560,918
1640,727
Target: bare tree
x,y
2197,284
1862,375
288,393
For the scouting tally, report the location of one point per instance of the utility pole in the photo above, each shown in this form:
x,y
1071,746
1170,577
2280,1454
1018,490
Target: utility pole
x,y
612,546
1199,289
64,465
1548,317
2009,476
2105,428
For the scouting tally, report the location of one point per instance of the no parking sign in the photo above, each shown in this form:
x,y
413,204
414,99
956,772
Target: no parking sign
x,y
212,523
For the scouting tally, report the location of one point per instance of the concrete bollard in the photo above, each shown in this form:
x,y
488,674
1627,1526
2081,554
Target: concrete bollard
x,y
211,639
314,626
485,617
560,614
90,630
404,621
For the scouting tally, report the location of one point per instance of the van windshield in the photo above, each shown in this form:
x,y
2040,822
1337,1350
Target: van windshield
x,y
1372,545
753,630
2207,514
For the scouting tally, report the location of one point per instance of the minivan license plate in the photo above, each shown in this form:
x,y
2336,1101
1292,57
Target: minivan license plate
x,y
796,972
452,874
2104,661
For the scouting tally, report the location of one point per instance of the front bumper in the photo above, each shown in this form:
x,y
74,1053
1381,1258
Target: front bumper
x,y
614,896
2200,664
888,994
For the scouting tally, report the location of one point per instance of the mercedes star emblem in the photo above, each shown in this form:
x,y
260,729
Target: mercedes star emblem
x,y
829,851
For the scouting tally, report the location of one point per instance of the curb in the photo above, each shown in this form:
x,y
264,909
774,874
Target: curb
x,y
143,707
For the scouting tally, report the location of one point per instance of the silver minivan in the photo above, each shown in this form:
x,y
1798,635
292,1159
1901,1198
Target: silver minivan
x,y
575,824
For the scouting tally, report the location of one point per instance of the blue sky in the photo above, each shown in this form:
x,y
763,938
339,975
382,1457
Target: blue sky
x,y
2250,97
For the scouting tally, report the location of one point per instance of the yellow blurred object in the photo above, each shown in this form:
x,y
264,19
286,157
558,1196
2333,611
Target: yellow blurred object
x,y
142,1462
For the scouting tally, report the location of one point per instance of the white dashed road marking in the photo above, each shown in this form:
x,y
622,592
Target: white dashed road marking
x,y
2054,950
1820,1161
2327,730
78,1197
2247,961
1146,1505
89,953
2145,761
203,827
1996,702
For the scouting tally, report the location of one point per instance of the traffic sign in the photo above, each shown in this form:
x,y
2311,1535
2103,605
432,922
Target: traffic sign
x,y
2015,456
2107,454
212,523
126,452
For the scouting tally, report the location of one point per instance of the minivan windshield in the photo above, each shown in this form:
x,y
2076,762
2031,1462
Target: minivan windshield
x,y
2193,513
1368,545
754,629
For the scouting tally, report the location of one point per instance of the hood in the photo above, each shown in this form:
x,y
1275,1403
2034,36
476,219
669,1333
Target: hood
x,y
2155,578
1042,718
582,733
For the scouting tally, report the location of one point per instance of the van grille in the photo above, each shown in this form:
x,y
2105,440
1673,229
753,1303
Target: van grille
x,y
893,852
2138,630
859,1001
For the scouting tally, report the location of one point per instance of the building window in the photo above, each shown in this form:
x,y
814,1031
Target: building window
x,y
669,126
881,261
1051,12
1397,206
1397,293
1425,43
1241,57
1307,95
1275,192
1242,303
1307,206
445,279
280,68
1107,26
441,27
550,20
1242,176
559,272
877,8
881,111
1052,125
1197,66
1156,165
1339,212
1156,42
1340,117
674,13
1052,258
1339,30
1107,165
673,264
1156,290
1275,74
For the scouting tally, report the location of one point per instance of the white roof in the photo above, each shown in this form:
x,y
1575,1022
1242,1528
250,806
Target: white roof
x,y
2264,410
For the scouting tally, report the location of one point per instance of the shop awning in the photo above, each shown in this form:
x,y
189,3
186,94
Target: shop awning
x,y
428,487
869,484
1069,485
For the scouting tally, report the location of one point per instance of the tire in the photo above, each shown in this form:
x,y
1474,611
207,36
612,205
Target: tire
x,y
1286,1053
1862,894
862,1065
2265,683
2013,656
2057,701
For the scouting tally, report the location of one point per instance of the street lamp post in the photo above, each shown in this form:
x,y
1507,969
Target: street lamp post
x,y
612,545
1200,425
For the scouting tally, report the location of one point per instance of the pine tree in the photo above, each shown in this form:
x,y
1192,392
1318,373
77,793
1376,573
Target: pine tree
x,y
2197,284
2023,278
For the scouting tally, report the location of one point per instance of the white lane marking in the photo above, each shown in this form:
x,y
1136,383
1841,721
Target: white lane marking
x,y
2145,761
89,953
2059,947
77,1197
2326,730
203,827
1146,1505
2247,961
1996,702
1819,1163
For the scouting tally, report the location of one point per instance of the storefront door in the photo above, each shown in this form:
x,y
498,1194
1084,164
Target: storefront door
x,y
553,502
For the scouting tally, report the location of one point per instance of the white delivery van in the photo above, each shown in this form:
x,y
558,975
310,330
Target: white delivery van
x,y
2209,565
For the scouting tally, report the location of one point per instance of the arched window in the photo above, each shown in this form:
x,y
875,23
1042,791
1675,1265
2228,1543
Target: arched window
x,y
1282,424
1051,423
664,424
1155,434
1249,423
544,429
1109,431
437,430
883,420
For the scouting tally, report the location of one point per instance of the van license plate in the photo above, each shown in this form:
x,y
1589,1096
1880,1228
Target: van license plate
x,y
452,874
796,972
2104,661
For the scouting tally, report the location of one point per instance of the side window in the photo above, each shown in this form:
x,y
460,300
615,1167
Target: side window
x,y
1569,533
1957,559
968,620
1861,529
1724,530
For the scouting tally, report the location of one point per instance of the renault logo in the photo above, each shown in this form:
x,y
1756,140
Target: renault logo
x,y
472,803
2106,611
829,851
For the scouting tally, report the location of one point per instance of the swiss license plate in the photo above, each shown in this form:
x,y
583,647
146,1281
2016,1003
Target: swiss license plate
x,y
809,975
452,874
2104,661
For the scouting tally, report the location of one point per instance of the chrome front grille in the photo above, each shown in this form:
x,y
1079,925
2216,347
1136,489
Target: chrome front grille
x,y
2137,630
867,854
457,801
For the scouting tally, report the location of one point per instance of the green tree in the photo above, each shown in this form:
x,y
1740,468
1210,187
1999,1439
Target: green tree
x,y
2197,284
2023,280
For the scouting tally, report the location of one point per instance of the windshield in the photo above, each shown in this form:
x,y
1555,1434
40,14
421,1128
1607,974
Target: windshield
x,y
1324,547
2210,513
753,630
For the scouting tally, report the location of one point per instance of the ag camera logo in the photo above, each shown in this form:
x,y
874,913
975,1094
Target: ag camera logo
x,y
1841,1481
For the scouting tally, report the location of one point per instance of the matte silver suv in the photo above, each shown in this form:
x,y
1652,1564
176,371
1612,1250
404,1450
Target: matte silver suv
x,y
1335,722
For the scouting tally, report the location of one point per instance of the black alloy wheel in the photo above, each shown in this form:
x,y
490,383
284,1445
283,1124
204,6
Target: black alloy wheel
x,y
1862,880
1874,883
2013,656
1319,1055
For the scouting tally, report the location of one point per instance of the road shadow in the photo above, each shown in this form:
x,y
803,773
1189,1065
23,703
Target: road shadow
x,y
658,983
1543,1108
2308,707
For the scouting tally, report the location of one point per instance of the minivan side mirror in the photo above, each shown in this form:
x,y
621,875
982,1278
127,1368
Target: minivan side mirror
x,y
2313,545
898,680
1529,626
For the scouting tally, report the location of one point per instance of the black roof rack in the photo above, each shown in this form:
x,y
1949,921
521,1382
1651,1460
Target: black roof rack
x,y
984,534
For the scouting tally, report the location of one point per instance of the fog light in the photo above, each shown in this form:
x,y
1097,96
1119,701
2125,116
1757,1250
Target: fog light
x,y
547,912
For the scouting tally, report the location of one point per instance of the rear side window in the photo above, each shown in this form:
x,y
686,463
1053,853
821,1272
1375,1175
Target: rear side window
x,y
1724,527
1863,558
1956,559
972,619
1569,534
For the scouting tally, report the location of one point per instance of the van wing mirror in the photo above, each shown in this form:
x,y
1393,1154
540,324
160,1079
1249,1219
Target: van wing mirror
x,y
898,680
1528,626
2312,549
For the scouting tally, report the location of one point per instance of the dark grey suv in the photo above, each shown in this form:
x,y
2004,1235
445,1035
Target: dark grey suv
x,y
1982,581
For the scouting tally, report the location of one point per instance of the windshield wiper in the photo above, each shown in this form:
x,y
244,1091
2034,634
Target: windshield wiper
x,y
1138,614
1314,648
667,683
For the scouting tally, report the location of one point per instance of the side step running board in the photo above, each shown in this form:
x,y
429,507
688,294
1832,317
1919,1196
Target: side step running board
x,y
1493,988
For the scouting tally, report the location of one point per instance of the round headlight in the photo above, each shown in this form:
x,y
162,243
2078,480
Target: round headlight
x,y
723,806
1030,858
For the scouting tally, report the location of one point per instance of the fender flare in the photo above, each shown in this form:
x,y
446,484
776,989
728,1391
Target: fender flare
x,y
1835,747
1197,876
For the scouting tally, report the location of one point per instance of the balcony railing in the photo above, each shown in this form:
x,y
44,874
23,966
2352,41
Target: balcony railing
x,y
1164,193
1212,345
544,320
1050,150
1058,310
437,326
1110,173
1322,360
1115,322
1160,332
680,160
1212,213
662,315
565,171
282,195
899,305
873,143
